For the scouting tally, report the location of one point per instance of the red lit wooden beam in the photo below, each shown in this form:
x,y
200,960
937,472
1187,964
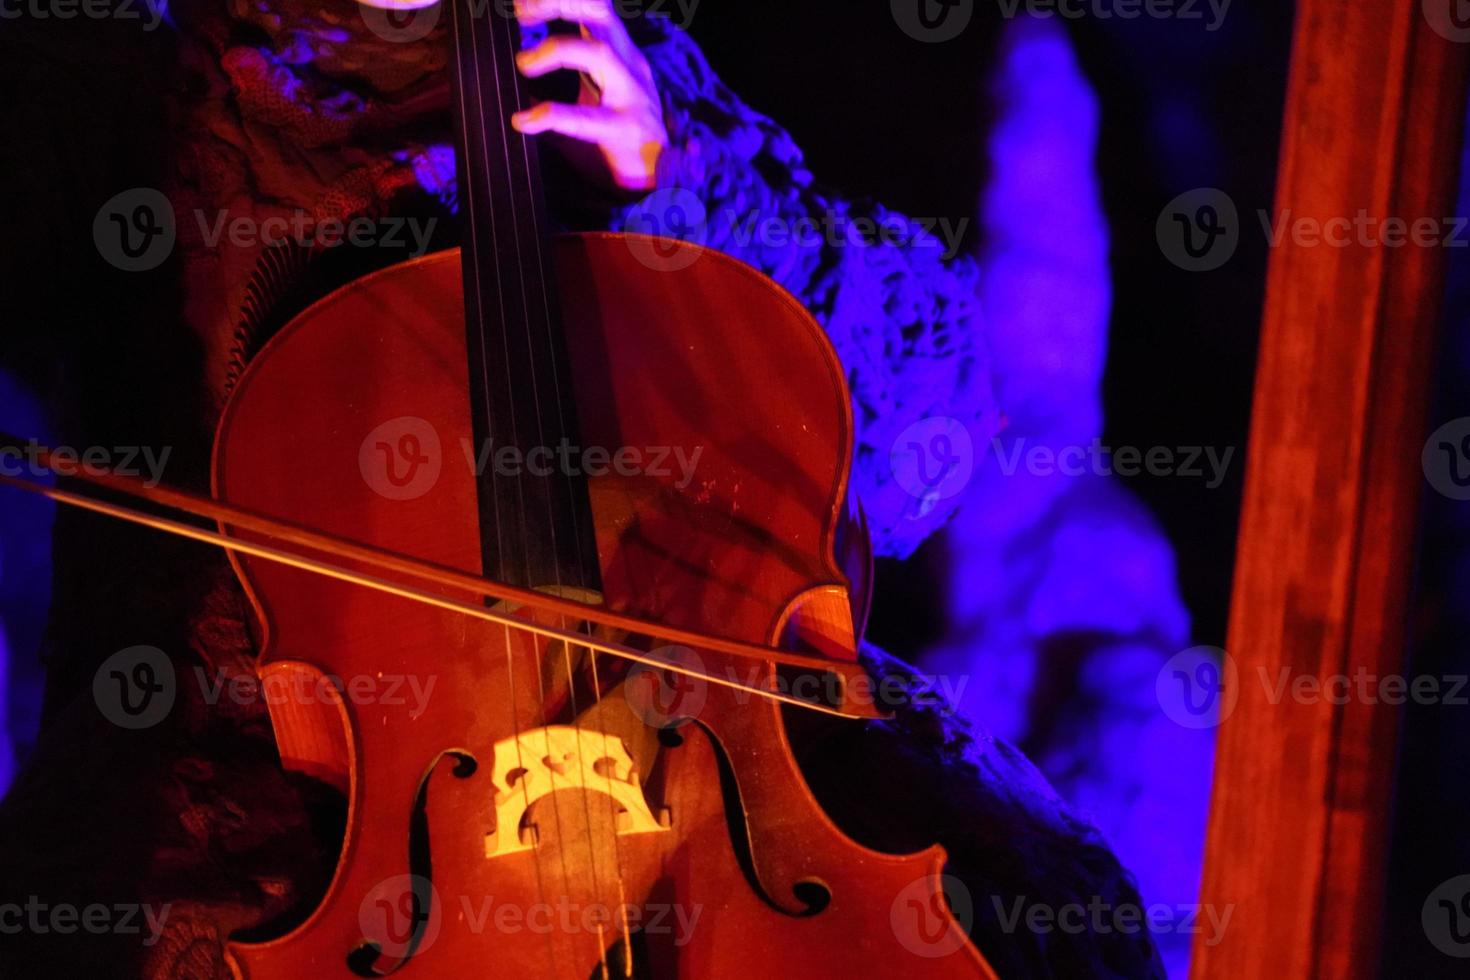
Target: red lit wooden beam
x,y
1300,816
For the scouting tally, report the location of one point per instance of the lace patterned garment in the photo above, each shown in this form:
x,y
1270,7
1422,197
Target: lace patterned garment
x,y
302,110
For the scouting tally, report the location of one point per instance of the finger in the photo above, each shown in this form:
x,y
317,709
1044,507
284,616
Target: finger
x,y
595,59
591,124
588,13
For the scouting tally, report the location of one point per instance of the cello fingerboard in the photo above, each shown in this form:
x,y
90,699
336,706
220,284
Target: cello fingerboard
x,y
535,519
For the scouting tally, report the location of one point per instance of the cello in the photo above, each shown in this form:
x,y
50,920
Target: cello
x,y
579,796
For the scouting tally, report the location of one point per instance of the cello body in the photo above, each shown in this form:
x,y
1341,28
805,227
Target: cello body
x,y
499,803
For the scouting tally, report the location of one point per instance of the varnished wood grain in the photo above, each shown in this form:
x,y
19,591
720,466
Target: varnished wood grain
x,y
714,356
1299,818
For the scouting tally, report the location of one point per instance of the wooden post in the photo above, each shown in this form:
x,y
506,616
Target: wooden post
x,y
1299,820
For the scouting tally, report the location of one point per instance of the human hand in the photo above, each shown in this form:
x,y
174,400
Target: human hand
x,y
618,111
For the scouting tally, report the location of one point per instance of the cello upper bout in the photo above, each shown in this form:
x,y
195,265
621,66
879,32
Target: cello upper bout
x,y
748,410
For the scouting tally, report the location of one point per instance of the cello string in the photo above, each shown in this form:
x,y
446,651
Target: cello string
x,y
507,40
479,256
559,402
613,815
557,394
516,234
516,231
471,215
553,362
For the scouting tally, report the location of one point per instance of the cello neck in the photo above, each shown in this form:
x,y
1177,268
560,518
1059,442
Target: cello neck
x,y
535,530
